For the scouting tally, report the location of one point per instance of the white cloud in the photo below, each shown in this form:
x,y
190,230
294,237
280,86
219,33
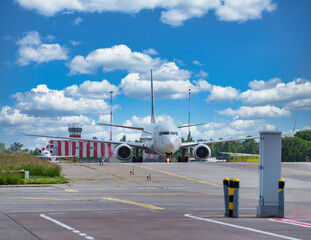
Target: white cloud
x,y
281,93
196,62
259,112
104,118
150,51
77,21
221,94
134,86
243,10
237,129
116,57
92,89
202,74
75,43
261,85
168,71
10,116
33,50
297,105
174,12
42,101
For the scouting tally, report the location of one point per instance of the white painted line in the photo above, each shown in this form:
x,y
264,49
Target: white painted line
x,y
66,226
296,223
241,227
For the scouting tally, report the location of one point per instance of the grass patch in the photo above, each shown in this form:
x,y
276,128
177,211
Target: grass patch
x,y
46,180
35,166
10,178
41,171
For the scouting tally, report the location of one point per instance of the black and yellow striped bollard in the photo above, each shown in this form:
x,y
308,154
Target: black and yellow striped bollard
x,y
226,195
281,197
236,198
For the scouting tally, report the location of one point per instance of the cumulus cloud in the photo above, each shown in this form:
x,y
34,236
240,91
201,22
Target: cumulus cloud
x,y
135,86
92,89
46,102
237,129
243,10
258,112
276,92
168,71
301,104
109,59
31,49
174,12
261,85
221,94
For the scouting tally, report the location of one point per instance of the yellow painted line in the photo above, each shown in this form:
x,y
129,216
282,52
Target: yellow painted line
x,y
133,203
179,176
71,190
289,169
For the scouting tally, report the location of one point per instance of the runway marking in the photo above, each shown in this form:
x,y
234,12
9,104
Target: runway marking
x,y
177,175
289,169
241,227
71,190
66,227
301,224
133,203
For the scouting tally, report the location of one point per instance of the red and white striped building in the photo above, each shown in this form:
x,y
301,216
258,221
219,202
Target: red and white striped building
x,y
81,149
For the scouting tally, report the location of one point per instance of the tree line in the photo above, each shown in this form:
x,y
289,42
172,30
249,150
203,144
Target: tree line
x,y
294,149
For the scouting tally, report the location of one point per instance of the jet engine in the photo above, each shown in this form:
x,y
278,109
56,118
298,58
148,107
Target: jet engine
x,y
51,151
124,152
201,152
40,151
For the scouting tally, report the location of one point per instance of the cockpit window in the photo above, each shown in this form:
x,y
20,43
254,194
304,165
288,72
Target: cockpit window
x,y
168,133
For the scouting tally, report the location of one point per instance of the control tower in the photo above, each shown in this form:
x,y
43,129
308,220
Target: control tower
x,y
74,130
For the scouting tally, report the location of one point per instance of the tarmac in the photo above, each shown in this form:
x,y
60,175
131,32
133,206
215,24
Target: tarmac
x,y
181,201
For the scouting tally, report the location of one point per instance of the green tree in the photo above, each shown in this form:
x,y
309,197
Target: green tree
x,y
2,147
123,139
305,135
295,149
16,147
35,152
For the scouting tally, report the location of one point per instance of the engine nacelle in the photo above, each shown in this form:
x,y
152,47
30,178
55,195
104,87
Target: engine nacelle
x,y
124,152
40,151
51,151
201,152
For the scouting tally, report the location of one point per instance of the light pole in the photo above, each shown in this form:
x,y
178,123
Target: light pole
x,y
111,115
189,125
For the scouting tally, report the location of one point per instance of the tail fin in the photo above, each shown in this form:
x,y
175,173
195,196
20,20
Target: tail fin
x,y
153,120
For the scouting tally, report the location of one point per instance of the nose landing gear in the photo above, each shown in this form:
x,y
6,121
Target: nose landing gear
x,y
168,157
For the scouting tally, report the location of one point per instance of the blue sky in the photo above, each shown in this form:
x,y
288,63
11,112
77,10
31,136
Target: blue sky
x,y
247,63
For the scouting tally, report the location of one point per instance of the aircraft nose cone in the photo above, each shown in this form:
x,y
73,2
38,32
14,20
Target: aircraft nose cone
x,y
171,145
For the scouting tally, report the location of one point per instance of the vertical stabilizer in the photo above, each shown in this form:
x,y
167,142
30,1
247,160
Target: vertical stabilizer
x,y
152,102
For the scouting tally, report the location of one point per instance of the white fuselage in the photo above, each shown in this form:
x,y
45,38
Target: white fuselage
x,y
165,138
46,154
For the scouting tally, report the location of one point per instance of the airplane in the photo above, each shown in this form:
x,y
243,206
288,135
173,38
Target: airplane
x,y
47,154
163,139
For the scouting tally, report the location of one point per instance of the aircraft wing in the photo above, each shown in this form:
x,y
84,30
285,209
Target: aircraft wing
x,y
132,144
192,144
